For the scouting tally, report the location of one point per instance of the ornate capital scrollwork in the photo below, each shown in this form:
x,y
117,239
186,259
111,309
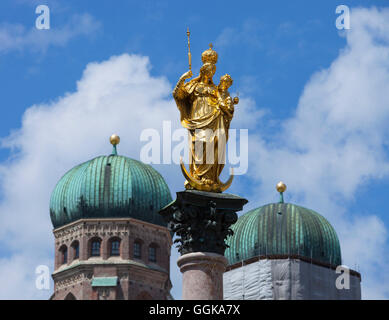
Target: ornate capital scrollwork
x,y
202,220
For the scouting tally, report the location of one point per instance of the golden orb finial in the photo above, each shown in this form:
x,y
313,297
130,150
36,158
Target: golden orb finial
x,y
114,139
281,187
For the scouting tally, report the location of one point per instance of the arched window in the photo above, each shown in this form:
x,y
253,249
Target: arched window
x,y
115,247
64,254
76,249
153,253
95,247
137,249
70,296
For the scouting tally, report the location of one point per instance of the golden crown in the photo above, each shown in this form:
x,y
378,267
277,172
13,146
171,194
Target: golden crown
x,y
209,55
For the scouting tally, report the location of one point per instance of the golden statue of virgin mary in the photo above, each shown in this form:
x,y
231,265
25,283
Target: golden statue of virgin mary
x,y
206,111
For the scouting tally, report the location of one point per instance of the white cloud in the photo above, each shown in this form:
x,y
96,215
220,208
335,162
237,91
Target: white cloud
x,y
365,248
17,37
336,142
115,96
17,275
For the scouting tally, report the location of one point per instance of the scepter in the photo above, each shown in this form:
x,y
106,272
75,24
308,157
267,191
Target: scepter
x,y
189,54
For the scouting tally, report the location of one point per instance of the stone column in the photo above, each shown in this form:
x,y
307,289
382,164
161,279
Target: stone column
x,y
202,222
202,275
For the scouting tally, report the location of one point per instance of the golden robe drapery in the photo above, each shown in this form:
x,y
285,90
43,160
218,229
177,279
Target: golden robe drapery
x,y
207,126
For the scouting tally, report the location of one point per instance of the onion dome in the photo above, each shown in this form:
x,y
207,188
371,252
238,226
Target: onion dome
x,y
110,186
282,230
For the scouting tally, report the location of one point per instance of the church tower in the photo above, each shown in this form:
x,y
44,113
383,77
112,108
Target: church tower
x,y
282,251
110,241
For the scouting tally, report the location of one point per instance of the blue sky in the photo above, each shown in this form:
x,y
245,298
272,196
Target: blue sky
x,y
313,98
279,41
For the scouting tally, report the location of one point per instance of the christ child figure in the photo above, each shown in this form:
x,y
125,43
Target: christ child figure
x,y
226,103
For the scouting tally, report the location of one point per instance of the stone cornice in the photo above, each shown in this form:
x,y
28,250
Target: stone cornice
x,y
92,262
109,226
128,270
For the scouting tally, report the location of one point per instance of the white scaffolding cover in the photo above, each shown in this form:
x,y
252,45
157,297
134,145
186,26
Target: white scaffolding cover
x,y
286,279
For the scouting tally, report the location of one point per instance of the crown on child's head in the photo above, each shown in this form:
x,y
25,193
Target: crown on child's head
x,y
226,78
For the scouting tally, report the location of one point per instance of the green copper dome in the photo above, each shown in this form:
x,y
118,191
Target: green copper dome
x,y
107,187
283,229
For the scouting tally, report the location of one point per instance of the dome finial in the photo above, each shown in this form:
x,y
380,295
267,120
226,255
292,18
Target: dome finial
x,y
115,140
281,187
